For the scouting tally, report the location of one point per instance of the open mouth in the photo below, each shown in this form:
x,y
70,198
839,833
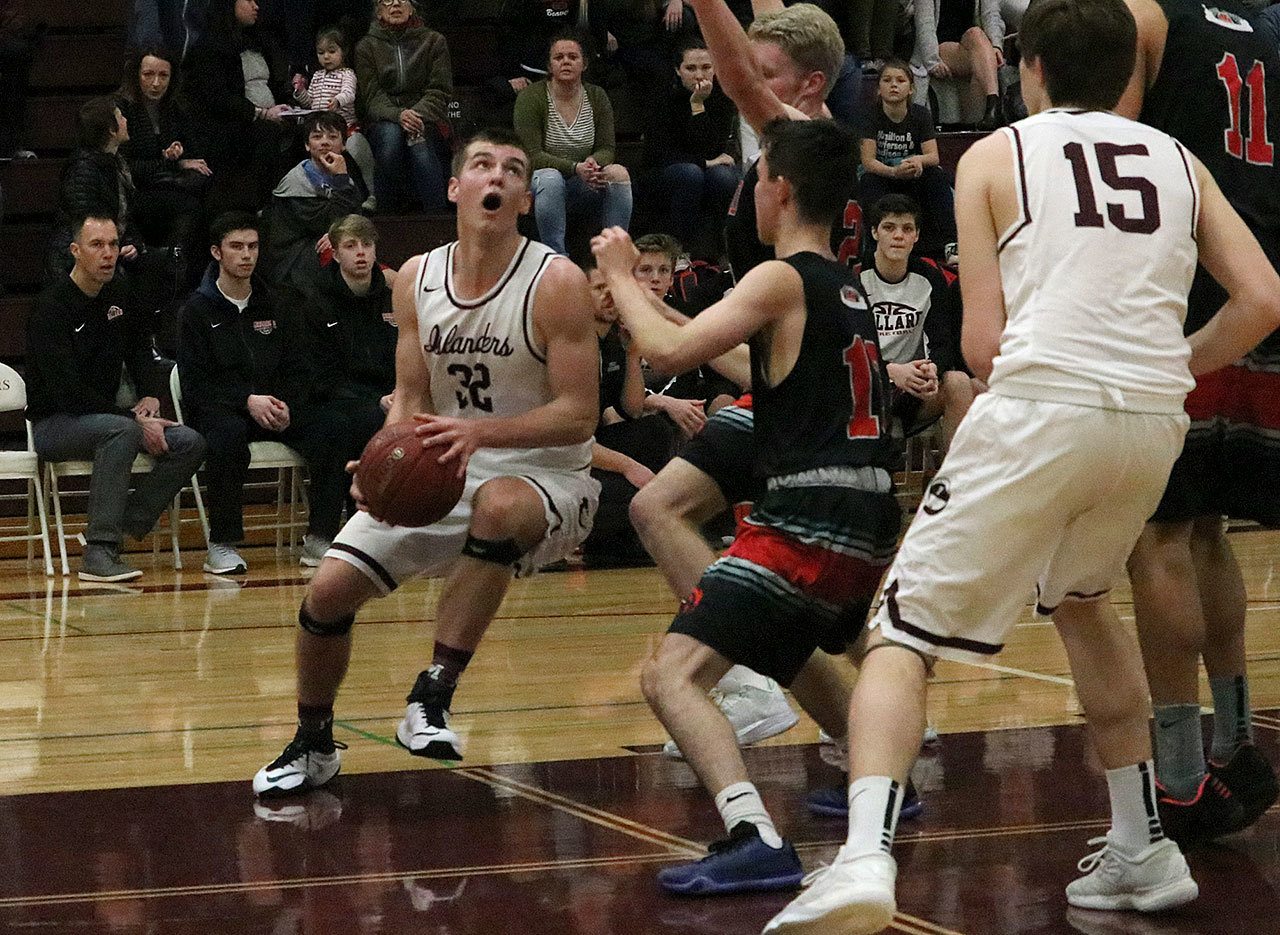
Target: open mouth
x,y
491,201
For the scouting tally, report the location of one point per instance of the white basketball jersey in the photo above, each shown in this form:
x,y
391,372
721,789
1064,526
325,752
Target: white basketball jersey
x,y
483,357
1097,267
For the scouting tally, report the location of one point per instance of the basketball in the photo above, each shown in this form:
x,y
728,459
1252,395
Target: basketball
x,y
404,483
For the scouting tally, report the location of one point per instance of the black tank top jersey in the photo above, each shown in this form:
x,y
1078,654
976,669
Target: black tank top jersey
x,y
742,242
833,407
1218,93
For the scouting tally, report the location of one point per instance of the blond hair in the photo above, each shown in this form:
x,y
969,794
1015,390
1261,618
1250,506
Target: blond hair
x,y
809,37
353,225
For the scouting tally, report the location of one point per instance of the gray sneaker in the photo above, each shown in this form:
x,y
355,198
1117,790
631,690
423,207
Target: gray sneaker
x,y
224,560
101,563
313,549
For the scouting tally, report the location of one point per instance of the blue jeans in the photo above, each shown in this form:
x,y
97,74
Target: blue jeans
x,y
555,198
398,164
694,194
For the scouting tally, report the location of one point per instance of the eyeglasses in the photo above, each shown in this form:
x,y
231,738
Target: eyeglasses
x,y
395,2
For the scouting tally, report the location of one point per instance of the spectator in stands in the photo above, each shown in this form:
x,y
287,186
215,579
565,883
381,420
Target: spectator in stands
x,y
352,332
243,364
96,180
80,333
628,449
918,323
689,141
686,398
529,26
405,81
900,154
232,80
643,36
567,127
313,195
167,172
333,87
959,39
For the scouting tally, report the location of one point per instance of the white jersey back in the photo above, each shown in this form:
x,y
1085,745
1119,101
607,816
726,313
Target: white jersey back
x,y
483,356
1097,267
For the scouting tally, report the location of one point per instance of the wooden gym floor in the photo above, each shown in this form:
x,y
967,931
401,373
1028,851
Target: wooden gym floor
x,y
132,718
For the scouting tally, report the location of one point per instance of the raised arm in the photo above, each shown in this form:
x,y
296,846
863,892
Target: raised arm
x,y
736,67
1231,253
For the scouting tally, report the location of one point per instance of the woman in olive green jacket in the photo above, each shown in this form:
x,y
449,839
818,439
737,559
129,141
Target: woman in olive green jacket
x,y
404,81
567,127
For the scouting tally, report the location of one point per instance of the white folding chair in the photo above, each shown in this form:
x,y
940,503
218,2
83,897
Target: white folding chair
x,y
288,465
24,465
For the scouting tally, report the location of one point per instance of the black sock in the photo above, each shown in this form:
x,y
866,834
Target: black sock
x,y
316,719
449,663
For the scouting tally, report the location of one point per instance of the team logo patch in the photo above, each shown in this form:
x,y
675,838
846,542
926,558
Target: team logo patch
x,y
265,327
1226,19
936,497
390,318
114,312
851,297
692,601
584,513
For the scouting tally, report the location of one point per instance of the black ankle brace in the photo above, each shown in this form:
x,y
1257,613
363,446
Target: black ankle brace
x,y
340,627
503,552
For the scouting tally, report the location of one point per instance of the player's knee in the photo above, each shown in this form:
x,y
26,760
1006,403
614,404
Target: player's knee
x,y
507,508
322,626
336,592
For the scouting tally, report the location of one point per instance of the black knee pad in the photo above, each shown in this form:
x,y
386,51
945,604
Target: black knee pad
x,y
503,552
313,626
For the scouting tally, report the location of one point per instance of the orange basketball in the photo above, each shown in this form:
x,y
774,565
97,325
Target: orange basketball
x,y
404,483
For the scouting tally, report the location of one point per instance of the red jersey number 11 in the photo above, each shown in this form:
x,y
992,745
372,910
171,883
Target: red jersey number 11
x,y
863,361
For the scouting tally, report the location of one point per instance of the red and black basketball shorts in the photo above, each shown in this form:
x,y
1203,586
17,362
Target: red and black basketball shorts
x,y
801,575
1230,463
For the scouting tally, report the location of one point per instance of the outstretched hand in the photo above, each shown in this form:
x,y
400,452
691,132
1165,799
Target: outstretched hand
x,y
614,251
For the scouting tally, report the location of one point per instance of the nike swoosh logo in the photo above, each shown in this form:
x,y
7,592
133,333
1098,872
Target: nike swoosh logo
x,y
738,796
81,328
216,324
332,324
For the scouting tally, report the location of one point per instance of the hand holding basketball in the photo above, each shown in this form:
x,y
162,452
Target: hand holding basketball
x,y
402,482
459,437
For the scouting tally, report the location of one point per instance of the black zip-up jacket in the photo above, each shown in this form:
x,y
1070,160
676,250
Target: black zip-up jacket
x,y
225,355
353,337
76,345
144,150
675,134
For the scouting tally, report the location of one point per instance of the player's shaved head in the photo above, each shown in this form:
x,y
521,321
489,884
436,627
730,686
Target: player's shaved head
x,y
1087,49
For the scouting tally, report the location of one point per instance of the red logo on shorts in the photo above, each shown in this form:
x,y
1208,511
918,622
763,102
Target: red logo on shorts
x,y
692,601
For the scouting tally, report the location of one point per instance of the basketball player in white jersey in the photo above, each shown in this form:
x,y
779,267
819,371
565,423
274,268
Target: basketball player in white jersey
x,y
497,360
1078,233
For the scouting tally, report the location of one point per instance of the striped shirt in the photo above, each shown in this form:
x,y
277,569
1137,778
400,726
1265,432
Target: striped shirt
x,y
326,86
573,141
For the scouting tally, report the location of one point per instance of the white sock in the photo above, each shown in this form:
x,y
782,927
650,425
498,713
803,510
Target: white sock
x,y
874,802
740,677
1135,823
741,802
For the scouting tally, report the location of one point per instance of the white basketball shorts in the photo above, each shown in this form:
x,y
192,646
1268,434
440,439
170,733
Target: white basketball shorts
x,y
391,555
1035,501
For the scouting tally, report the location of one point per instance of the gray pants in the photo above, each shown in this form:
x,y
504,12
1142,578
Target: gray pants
x,y
111,442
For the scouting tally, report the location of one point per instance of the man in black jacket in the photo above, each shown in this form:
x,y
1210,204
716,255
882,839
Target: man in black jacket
x,y
79,335
243,364
353,333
